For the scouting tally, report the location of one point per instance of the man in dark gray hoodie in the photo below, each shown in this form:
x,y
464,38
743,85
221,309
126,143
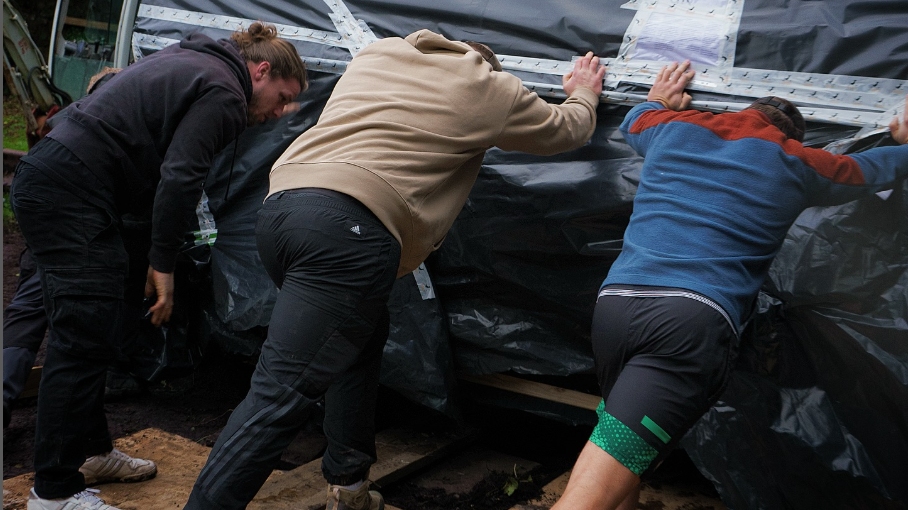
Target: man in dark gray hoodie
x,y
146,139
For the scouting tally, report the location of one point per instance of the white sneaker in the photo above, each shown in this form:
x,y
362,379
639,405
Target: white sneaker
x,y
85,500
116,466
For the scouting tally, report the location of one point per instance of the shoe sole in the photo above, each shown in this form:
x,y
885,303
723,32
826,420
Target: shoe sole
x,y
128,479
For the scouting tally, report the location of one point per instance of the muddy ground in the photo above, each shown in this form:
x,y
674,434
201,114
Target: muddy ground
x,y
198,406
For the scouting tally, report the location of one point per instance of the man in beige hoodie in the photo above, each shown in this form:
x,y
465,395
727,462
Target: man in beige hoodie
x,y
362,198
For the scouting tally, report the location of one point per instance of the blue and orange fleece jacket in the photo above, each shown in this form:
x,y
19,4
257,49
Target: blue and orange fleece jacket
x,y
718,192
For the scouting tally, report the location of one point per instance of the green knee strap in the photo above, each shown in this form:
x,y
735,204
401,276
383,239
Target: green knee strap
x,y
622,443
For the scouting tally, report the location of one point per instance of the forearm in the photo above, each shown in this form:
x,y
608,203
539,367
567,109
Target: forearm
x,y
174,209
883,166
537,127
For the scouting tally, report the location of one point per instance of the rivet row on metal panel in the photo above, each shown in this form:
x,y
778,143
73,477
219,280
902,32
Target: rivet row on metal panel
x,y
864,102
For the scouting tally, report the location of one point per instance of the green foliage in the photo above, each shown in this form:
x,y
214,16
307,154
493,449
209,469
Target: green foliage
x,y
513,482
13,126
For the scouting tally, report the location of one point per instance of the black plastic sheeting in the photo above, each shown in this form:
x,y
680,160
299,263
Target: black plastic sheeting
x,y
816,414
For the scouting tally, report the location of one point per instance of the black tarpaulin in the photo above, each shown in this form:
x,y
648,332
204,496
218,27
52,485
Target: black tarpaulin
x,y
816,414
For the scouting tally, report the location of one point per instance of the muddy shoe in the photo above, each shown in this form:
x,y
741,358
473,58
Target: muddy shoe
x,y
116,466
85,500
362,498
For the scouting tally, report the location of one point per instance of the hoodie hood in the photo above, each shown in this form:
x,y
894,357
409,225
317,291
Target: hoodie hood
x,y
429,42
228,51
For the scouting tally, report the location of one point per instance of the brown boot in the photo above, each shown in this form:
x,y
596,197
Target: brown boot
x,y
362,498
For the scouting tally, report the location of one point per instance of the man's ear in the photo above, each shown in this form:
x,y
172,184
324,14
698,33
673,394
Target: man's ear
x,y
259,70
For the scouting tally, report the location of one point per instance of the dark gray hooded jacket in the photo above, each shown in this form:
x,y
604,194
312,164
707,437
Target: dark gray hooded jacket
x,y
153,130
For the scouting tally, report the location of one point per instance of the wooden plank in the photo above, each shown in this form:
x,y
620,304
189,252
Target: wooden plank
x,y
400,454
31,384
536,389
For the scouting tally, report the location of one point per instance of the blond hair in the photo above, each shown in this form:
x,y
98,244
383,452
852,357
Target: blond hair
x,y
96,78
260,43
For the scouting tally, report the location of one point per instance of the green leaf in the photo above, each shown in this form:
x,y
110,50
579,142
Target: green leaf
x,y
510,486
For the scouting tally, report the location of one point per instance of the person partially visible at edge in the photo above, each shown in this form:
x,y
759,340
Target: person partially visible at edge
x,y
145,139
24,319
717,194
355,202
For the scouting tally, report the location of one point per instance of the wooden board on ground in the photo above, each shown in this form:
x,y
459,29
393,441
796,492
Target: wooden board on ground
x,y
400,454
536,389
180,460
31,384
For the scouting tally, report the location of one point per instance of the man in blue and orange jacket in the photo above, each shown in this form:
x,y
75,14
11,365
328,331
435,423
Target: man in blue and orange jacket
x,y
717,195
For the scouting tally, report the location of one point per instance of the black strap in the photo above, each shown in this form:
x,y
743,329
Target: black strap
x,y
777,105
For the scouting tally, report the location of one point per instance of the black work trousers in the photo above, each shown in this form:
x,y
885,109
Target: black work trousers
x,y
24,327
24,320
78,246
335,264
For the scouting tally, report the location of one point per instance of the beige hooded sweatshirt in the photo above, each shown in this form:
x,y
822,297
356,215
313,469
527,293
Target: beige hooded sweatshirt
x,y
407,126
